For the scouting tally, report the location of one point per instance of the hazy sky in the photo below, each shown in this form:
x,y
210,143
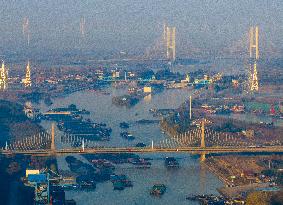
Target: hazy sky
x,y
133,25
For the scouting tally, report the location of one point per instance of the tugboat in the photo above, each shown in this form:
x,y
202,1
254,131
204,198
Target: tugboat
x,y
171,162
158,190
124,125
140,163
127,136
124,179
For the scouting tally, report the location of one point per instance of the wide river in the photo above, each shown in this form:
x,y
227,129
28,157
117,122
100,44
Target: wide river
x,y
191,178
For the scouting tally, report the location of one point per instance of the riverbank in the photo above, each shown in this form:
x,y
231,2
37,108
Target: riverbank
x,y
242,176
102,110
215,170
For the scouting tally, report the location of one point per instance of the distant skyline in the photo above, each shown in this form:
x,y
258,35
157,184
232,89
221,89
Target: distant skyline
x,y
133,26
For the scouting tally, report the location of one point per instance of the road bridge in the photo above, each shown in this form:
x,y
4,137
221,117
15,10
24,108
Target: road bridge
x,y
119,150
199,141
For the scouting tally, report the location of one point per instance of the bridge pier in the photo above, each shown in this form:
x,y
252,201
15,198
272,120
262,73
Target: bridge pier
x,y
202,157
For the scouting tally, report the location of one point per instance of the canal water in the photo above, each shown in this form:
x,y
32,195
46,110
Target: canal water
x,y
191,178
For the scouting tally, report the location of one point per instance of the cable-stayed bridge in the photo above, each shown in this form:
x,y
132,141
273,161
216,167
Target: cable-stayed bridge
x,y
197,141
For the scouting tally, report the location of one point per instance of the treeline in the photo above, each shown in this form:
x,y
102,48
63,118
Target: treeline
x,y
13,122
169,128
9,113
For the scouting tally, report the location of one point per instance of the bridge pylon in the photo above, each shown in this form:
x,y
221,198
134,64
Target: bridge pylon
x,y
202,144
53,148
83,145
170,40
254,39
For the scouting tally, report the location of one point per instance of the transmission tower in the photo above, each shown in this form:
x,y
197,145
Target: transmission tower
x,y
27,80
3,77
254,79
254,56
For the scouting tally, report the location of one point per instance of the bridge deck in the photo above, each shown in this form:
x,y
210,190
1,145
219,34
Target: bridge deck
x,y
193,150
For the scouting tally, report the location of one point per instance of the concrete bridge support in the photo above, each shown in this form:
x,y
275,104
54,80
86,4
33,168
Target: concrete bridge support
x,y
202,157
53,148
202,144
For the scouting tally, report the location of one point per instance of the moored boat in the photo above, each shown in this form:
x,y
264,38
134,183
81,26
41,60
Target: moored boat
x,y
158,189
127,136
171,162
124,125
120,181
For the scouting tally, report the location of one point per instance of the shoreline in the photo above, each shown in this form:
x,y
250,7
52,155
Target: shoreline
x,y
214,171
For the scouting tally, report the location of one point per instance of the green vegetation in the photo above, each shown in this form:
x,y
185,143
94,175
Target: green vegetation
x,y
145,74
125,100
13,122
274,171
168,75
228,126
259,106
176,123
